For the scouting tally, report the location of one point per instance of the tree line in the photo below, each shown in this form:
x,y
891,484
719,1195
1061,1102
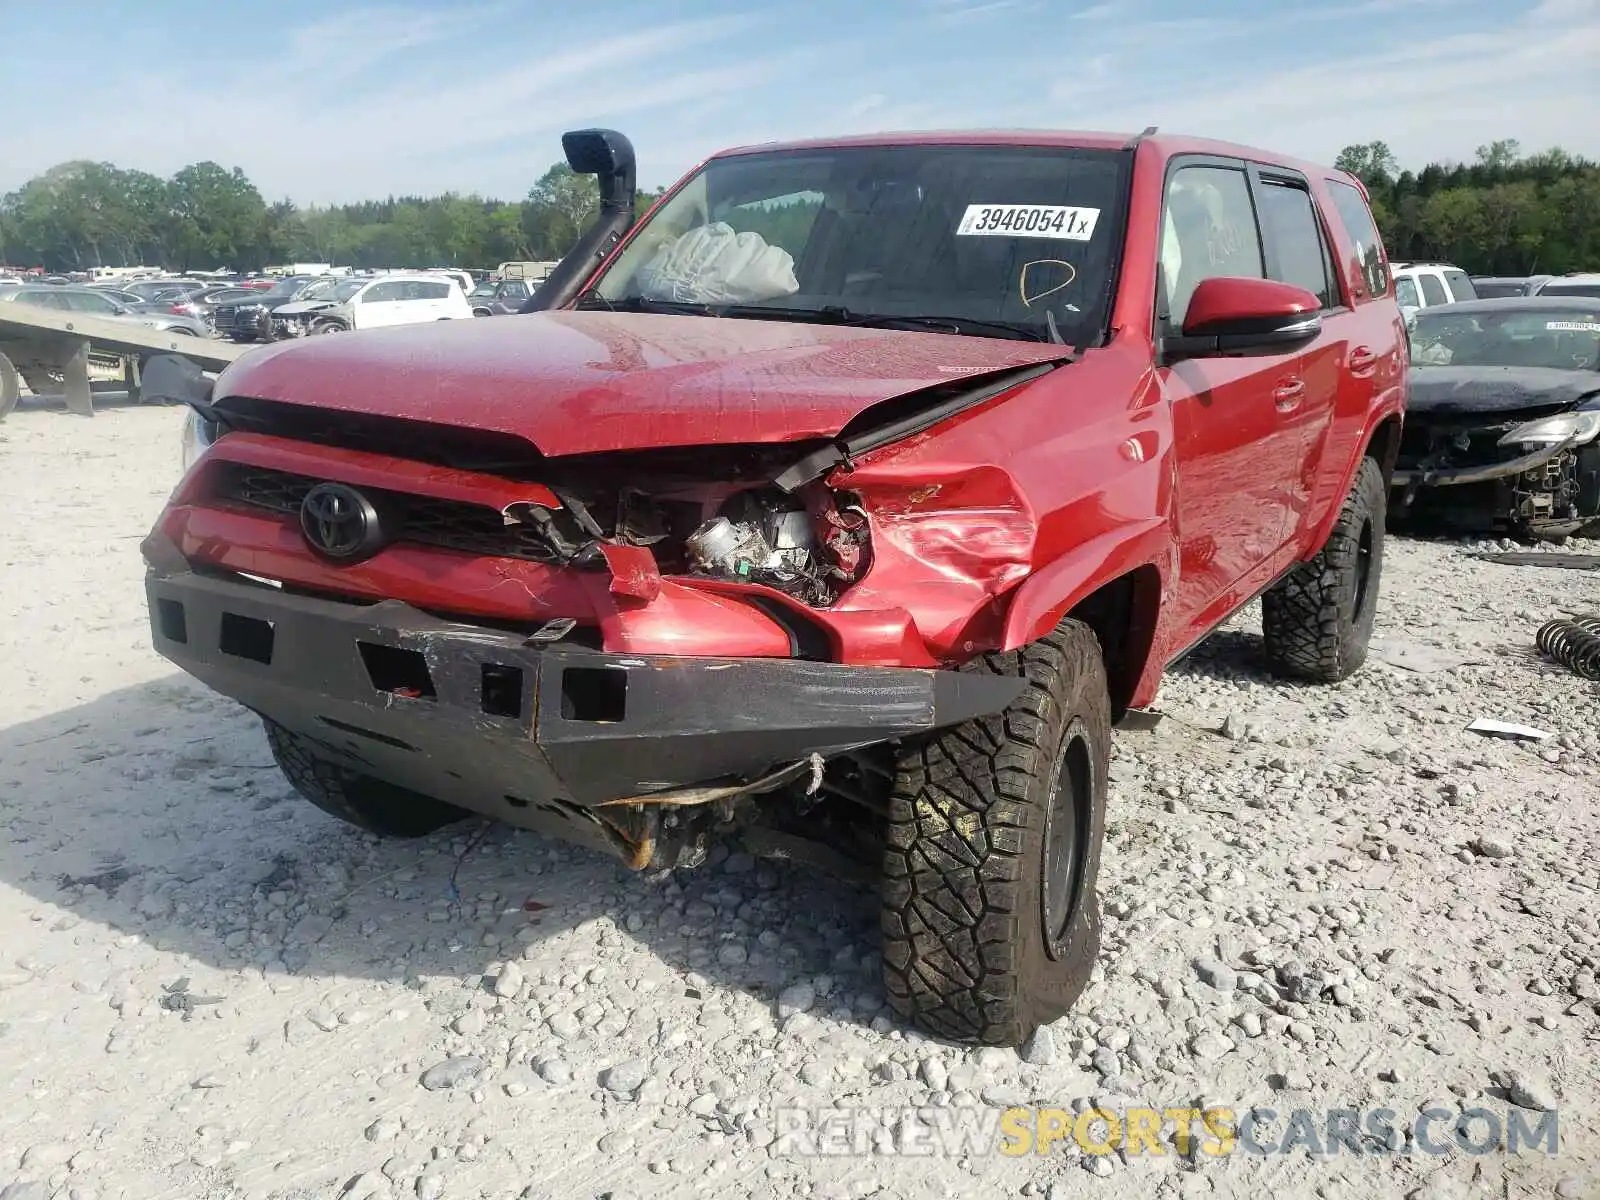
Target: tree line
x,y
206,217
1506,213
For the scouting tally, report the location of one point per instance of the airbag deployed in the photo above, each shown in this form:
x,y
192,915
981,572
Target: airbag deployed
x,y
711,264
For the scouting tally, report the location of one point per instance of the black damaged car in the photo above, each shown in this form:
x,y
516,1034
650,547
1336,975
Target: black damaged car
x,y
1502,429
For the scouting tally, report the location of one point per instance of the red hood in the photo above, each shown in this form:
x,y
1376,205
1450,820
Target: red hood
x,y
577,382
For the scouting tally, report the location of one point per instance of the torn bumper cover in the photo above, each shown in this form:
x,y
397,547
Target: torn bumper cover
x,y
1425,476
533,734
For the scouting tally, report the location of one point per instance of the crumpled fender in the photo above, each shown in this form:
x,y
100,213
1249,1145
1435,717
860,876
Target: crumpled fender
x,y
1054,590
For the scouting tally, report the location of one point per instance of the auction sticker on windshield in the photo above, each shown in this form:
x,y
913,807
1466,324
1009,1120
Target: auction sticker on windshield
x,y
1573,326
1029,220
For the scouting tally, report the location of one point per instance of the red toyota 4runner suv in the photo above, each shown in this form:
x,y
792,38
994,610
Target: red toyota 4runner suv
x,y
848,497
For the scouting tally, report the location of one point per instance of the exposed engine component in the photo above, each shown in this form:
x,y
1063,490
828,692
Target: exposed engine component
x,y
771,540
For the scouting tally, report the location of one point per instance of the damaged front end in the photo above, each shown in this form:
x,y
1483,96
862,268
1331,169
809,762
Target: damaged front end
x,y
1522,474
629,649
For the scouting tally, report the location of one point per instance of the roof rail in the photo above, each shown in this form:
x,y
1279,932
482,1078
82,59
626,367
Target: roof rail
x,y
1133,142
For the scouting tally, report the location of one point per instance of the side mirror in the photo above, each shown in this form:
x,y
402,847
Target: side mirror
x,y
1237,316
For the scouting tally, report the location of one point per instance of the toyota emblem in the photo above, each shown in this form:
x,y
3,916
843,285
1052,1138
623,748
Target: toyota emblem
x,y
340,523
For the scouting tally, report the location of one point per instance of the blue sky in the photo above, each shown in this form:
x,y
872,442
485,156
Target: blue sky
x,y
341,101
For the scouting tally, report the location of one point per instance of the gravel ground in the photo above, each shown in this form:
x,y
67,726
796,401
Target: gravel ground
x,y
1316,897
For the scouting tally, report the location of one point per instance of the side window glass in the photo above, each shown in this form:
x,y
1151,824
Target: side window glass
x,y
1208,231
1356,218
1405,293
1290,224
380,292
1460,286
1433,289
432,291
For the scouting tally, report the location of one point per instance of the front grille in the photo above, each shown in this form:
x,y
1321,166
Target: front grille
x,y
426,520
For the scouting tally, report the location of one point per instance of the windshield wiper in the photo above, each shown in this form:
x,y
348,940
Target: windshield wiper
x,y
838,315
831,315
641,304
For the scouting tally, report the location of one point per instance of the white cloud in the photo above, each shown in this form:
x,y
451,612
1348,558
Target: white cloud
x,y
392,99
1532,80
962,12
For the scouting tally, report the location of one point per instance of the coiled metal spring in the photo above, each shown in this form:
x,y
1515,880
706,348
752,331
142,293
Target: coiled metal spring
x,y
1574,643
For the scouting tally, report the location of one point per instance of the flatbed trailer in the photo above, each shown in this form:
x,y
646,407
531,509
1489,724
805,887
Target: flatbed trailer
x,y
48,349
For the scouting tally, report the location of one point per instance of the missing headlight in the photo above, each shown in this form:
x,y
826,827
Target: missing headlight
x,y
772,539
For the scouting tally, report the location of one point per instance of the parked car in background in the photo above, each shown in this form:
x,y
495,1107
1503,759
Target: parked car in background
x,y
153,289
1423,285
1583,284
118,293
463,279
855,532
87,300
249,319
493,299
1496,287
1501,429
201,304
373,304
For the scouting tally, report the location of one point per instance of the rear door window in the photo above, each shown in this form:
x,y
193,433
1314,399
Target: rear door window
x,y
1433,288
1357,220
1289,225
1460,286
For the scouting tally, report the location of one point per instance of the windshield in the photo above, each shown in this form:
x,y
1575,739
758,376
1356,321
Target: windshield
x,y
485,289
990,239
338,293
1564,338
1571,289
281,291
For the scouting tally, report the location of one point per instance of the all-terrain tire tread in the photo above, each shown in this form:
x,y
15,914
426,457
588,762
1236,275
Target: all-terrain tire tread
x,y
1309,621
962,806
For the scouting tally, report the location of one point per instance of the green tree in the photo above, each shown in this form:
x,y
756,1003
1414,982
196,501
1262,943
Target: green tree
x,y
1373,163
221,220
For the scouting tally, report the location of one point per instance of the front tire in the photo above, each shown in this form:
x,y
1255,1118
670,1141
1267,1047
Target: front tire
x,y
991,922
357,799
1317,620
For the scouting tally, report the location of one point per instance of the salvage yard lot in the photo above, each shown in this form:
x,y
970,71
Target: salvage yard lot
x,y
1328,897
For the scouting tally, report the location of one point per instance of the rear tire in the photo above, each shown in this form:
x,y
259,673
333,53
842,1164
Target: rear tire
x,y
357,799
1317,620
991,922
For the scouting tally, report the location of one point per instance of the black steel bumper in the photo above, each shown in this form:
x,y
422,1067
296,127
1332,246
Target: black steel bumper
x,y
484,720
